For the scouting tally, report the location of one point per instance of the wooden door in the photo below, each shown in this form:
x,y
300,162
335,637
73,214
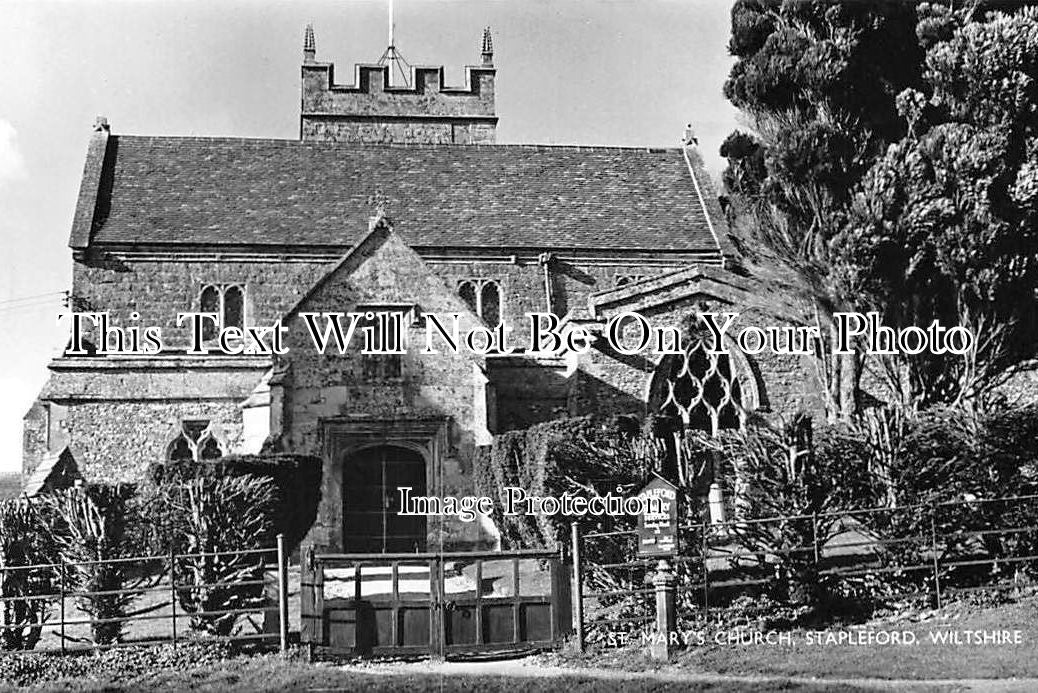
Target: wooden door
x,y
371,501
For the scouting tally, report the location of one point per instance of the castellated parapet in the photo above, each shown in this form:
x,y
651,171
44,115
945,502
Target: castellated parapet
x,y
373,110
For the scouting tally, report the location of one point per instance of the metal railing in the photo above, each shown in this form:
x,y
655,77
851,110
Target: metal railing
x,y
929,551
157,575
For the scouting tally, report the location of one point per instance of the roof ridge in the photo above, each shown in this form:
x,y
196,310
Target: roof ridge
x,y
159,139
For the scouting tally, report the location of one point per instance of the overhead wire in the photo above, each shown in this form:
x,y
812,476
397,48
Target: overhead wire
x,y
50,295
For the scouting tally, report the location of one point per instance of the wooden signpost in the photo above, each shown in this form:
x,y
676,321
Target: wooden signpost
x,y
658,526
658,538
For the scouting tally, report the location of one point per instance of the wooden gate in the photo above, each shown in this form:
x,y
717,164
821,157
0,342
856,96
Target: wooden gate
x,y
434,603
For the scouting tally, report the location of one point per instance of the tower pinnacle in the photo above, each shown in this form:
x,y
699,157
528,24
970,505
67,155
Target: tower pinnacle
x,y
488,47
309,45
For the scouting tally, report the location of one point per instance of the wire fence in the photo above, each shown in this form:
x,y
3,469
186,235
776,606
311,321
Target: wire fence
x,y
924,554
168,599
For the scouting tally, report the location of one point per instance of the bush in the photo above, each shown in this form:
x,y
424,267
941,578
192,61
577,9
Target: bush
x,y
297,481
785,473
25,541
595,456
93,524
202,516
935,469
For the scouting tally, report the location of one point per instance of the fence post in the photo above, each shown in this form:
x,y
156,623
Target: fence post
x,y
666,616
578,587
814,536
282,593
933,548
706,572
173,591
61,567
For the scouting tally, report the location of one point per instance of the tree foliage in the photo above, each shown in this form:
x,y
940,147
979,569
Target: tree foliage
x,y
94,532
26,555
892,165
804,477
817,82
296,478
210,522
943,225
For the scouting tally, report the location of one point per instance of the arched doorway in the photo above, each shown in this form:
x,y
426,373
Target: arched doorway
x,y
371,501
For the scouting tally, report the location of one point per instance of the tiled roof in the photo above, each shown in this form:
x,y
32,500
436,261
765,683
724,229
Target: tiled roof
x,y
214,191
54,470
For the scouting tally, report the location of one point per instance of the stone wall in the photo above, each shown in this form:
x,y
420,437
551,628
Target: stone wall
x,y
523,286
120,416
396,132
1021,389
427,112
159,289
529,391
121,419
116,441
444,393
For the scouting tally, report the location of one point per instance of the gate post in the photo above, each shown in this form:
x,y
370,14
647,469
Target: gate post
x,y
282,594
578,588
666,615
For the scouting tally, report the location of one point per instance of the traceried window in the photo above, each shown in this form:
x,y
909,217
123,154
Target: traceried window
x,y
700,388
483,297
226,300
195,442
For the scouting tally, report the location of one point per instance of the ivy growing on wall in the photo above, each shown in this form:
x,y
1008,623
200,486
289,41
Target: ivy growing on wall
x,y
587,456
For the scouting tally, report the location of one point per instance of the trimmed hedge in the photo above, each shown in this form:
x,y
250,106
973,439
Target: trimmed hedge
x,y
296,477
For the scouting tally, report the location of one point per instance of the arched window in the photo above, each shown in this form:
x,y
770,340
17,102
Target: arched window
x,y
490,304
209,449
483,297
227,301
209,303
196,441
180,449
700,388
234,307
467,291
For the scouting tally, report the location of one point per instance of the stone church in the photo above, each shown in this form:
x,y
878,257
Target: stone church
x,y
394,197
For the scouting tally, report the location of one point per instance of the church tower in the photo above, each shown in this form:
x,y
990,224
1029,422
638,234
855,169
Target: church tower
x,y
421,111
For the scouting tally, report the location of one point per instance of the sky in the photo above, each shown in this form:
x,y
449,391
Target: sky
x,y
603,72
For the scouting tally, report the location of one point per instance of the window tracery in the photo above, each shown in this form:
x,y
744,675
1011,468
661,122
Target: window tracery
x,y
195,441
700,388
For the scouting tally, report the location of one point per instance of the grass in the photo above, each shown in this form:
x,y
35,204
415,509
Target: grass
x,y
272,673
707,667
924,660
